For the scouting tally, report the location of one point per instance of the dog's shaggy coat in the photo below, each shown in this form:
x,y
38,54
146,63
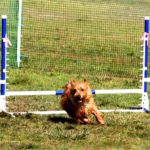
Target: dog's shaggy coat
x,y
78,102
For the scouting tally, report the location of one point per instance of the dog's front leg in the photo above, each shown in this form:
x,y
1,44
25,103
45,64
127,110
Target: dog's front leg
x,y
79,121
98,116
87,121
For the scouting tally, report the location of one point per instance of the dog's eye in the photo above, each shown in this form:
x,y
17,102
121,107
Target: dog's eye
x,y
74,91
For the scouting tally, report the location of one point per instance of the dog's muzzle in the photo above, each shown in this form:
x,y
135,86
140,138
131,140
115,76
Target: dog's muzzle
x,y
79,99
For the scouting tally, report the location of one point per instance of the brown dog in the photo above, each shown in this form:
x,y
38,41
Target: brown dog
x,y
78,102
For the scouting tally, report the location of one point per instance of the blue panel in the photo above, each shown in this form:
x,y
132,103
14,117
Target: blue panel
x,y
3,55
146,31
59,92
146,110
146,25
93,92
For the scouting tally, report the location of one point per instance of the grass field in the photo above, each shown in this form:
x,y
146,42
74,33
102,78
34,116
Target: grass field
x,y
122,131
75,39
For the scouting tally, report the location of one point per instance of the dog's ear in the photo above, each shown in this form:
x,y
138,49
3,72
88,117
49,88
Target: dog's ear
x,y
73,82
85,81
88,90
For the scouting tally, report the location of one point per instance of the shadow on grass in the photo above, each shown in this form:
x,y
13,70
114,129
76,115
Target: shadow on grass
x,y
60,119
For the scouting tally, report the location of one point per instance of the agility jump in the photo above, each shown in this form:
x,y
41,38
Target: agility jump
x,y
143,91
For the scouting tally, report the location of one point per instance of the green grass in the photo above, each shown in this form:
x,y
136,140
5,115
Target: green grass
x,y
122,131
76,39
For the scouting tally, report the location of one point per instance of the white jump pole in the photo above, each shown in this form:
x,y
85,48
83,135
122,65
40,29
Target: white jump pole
x,y
19,34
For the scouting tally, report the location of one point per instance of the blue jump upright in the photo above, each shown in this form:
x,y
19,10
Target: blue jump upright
x,y
145,101
3,54
3,65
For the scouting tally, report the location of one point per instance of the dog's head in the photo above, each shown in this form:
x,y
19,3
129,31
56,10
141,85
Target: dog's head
x,y
80,91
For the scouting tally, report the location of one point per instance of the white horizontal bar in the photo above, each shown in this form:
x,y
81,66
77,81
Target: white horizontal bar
x,y
123,110
119,91
115,91
29,93
53,112
61,112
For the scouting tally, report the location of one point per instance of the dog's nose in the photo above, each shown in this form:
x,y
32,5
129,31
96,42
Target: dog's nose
x,y
79,97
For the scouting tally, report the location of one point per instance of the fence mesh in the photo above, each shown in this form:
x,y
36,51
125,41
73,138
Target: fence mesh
x,y
89,37
64,39
97,38
10,8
